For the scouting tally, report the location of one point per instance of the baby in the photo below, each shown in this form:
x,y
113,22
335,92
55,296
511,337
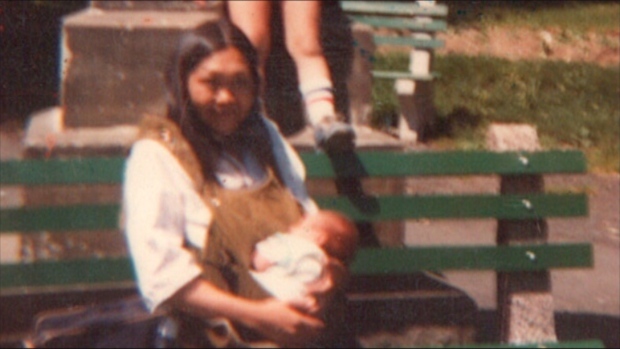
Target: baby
x,y
285,263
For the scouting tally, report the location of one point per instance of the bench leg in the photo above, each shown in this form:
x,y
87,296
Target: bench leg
x,y
416,109
524,299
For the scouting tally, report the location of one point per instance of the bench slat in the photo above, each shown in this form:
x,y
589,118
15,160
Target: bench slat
x,y
364,164
393,8
466,206
500,258
408,41
444,163
401,23
588,343
379,208
367,262
87,272
392,75
100,170
60,218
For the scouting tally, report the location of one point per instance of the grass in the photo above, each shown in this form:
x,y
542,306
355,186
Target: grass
x,y
576,16
571,104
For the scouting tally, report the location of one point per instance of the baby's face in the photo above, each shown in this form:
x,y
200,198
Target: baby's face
x,y
305,229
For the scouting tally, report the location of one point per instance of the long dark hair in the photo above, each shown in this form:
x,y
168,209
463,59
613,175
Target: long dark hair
x,y
252,134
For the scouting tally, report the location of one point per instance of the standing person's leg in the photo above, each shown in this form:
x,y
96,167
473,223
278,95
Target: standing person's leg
x,y
302,21
253,18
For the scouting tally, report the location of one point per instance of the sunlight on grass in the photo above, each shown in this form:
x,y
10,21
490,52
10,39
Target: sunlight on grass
x,y
571,104
576,16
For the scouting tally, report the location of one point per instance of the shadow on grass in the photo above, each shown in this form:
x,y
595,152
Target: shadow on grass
x,y
470,12
461,118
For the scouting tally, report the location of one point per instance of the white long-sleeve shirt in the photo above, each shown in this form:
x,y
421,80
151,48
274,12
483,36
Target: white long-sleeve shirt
x,y
163,211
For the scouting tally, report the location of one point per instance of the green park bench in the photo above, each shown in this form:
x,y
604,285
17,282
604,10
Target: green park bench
x,y
33,285
410,26
421,18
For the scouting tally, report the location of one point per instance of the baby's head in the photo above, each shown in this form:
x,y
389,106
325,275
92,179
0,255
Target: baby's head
x,y
332,231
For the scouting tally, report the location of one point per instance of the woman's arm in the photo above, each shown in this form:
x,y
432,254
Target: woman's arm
x,y
156,202
155,209
273,318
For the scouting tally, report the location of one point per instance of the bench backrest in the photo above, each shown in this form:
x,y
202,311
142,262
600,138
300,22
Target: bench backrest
x,y
27,277
419,20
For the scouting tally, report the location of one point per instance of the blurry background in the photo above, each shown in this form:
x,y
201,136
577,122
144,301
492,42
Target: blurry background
x,y
553,64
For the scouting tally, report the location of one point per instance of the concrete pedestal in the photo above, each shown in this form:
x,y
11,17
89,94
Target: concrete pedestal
x,y
114,61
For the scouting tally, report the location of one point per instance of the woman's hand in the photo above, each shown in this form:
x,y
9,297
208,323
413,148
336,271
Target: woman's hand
x,y
322,291
283,324
275,319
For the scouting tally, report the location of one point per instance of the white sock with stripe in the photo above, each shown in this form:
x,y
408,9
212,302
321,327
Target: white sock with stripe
x,y
318,95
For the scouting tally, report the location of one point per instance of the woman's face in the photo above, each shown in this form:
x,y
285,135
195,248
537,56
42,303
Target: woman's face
x,y
222,91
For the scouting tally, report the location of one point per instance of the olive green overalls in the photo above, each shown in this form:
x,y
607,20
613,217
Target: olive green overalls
x,y
241,218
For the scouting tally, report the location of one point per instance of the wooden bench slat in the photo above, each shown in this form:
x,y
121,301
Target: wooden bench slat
x,y
372,208
393,75
368,262
499,258
408,41
364,164
60,218
465,206
393,8
588,343
401,23
98,170
445,163
68,272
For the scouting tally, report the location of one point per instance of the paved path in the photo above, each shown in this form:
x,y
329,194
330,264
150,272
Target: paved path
x,y
587,301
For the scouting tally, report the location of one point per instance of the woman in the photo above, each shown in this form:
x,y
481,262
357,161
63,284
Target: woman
x,y
214,168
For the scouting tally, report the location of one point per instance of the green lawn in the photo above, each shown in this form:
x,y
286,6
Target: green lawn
x,y
573,16
571,104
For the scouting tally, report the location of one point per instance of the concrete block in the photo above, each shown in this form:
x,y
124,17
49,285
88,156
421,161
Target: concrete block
x,y
206,5
359,82
47,136
416,108
524,299
507,137
114,63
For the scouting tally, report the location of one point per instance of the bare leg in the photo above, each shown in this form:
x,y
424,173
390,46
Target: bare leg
x,y
302,20
253,18
301,29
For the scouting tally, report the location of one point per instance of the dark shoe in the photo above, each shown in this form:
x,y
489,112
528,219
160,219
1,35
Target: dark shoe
x,y
334,136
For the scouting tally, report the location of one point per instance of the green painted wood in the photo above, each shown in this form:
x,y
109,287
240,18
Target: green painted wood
x,y
396,207
443,163
361,164
62,171
393,75
372,208
401,23
502,258
367,262
588,343
393,8
62,273
408,41
60,218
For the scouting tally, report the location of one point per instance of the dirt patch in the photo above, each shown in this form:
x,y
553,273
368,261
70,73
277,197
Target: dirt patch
x,y
524,43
